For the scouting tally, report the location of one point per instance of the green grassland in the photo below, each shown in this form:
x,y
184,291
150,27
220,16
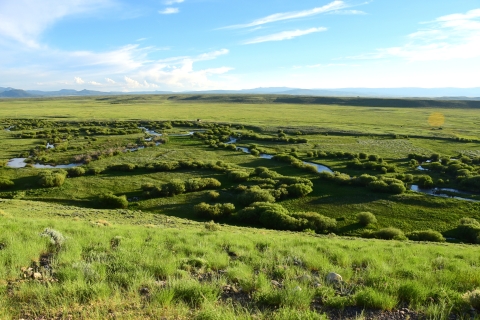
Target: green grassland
x,y
160,257
130,265
405,119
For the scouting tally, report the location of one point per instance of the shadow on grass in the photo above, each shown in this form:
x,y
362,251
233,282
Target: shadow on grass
x,y
350,228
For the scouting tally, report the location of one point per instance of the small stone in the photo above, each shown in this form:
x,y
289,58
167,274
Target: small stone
x,y
37,276
144,291
304,278
317,285
333,277
276,283
297,288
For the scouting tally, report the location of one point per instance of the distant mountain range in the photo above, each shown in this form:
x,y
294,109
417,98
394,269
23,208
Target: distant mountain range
x,y
445,93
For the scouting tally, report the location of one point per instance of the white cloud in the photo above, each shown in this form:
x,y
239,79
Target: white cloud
x,y
24,20
348,12
169,10
79,80
132,83
285,35
328,65
455,36
170,2
110,81
94,83
332,6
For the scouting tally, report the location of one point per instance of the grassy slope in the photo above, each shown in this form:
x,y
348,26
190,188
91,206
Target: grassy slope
x,y
99,276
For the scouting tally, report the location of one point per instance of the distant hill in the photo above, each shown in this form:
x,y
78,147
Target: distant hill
x,y
14,93
439,93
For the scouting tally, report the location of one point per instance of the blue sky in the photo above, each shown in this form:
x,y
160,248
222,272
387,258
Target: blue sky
x,y
126,45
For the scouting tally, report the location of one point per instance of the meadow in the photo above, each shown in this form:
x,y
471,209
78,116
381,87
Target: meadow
x,y
160,215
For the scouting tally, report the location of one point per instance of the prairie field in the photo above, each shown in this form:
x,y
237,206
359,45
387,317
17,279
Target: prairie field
x,y
239,207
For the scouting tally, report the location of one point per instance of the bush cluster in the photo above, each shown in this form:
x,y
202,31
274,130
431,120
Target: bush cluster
x,y
52,178
382,184
425,235
366,218
177,186
123,167
468,230
372,165
207,211
385,234
274,216
110,200
76,172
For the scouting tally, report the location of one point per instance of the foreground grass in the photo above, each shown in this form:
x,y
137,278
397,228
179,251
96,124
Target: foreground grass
x,y
150,266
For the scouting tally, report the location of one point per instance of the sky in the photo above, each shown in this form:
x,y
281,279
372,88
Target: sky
x,y
184,45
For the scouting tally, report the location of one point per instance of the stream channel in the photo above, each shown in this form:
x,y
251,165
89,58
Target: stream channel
x,y
437,192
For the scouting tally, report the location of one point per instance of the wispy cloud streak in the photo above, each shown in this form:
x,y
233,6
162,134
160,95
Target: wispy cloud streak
x,y
169,11
284,35
332,6
455,36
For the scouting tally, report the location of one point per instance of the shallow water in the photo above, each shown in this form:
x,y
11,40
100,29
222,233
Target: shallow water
x,y
20,163
440,192
320,168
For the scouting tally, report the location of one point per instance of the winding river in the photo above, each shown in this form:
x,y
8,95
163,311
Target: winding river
x,y
437,192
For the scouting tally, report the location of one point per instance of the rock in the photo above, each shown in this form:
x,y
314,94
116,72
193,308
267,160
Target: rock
x,y
333,277
144,291
305,278
317,285
37,276
276,284
297,288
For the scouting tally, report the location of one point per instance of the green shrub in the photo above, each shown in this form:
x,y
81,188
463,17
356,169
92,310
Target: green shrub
x,y
365,179
469,230
52,178
426,235
255,194
425,181
6,183
366,218
173,187
123,167
76,172
198,184
315,221
110,200
390,234
212,226
213,195
471,183
254,152
299,190
238,175
205,210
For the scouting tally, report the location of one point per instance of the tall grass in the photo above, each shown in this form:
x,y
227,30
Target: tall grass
x,y
184,270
